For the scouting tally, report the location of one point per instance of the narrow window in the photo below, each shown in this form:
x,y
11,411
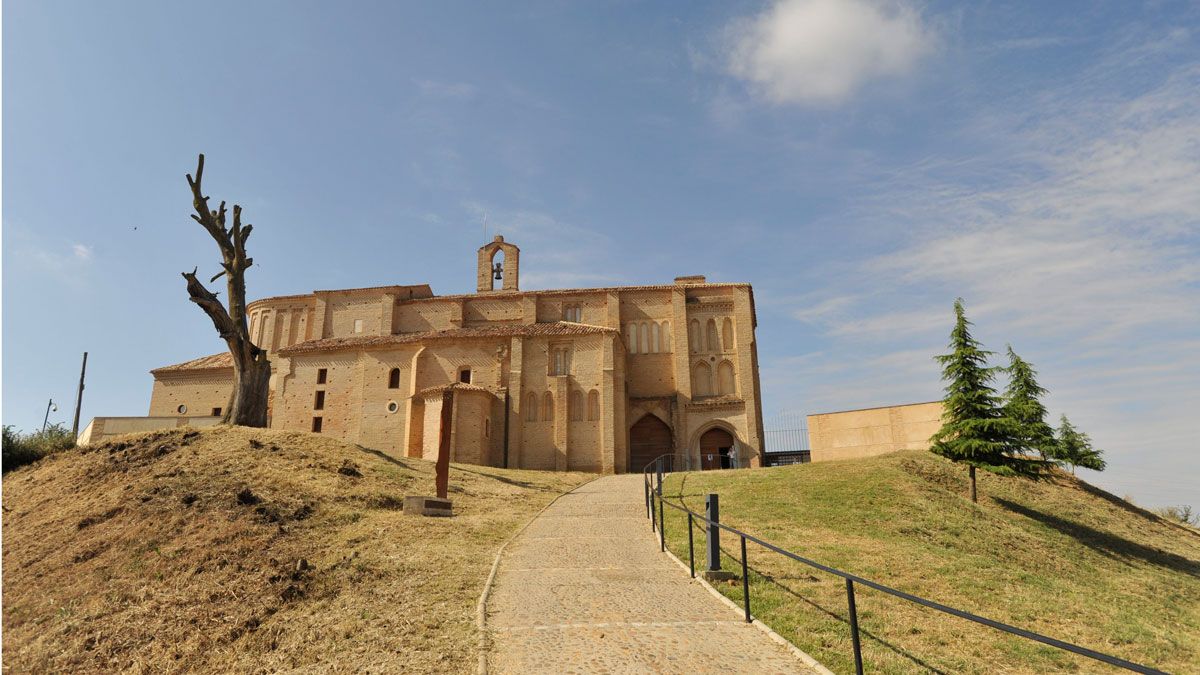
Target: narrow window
x,y
702,380
655,338
726,383
694,336
714,344
547,407
464,376
394,379
643,338
319,400
666,337
531,406
216,412
727,334
322,375
358,325
593,405
487,428
577,406
316,425
631,337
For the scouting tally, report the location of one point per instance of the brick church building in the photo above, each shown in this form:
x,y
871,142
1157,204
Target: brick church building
x,y
586,379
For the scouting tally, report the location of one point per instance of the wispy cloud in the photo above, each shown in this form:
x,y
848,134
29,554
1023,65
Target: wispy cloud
x,y
446,90
1078,241
820,52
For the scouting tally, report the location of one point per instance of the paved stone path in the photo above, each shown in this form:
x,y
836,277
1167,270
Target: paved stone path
x,y
585,589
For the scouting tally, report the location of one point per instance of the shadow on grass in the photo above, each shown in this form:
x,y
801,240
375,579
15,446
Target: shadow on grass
x,y
765,577
509,481
385,457
1106,543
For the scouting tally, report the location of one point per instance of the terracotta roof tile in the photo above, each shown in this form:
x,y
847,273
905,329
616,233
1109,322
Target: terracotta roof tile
x,y
563,328
221,361
457,386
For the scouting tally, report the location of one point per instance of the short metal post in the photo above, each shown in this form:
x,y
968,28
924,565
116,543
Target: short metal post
x,y
646,489
662,525
658,466
712,533
745,581
858,666
691,548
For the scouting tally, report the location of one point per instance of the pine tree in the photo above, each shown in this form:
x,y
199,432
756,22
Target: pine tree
x,y
1023,404
1075,448
974,429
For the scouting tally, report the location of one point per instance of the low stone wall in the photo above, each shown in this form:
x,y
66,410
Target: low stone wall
x,y
873,431
104,428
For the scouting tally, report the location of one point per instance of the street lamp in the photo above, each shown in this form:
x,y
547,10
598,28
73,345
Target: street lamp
x,y
50,407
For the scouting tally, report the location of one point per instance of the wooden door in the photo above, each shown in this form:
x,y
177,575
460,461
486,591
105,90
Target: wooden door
x,y
715,445
649,439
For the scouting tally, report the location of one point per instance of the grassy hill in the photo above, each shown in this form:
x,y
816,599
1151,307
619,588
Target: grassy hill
x,y
1059,557
237,550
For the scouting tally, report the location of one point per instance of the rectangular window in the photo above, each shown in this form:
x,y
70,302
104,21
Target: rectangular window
x,y
216,412
358,325
322,375
573,313
464,376
319,401
316,425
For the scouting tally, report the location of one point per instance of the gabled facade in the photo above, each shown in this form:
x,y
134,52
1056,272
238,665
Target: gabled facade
x,y
599,379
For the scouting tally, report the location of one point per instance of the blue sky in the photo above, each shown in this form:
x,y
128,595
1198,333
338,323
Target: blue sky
x,y
862,163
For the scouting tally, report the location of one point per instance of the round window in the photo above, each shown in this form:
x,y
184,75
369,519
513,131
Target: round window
x,y
393,406
182,409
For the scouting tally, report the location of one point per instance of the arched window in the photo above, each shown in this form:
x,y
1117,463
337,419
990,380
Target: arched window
x,y
727,334
655,339
577,406
531,405
714,345
631,337
694,336
666,337
702,383
643,338
394,379
726,383
547,407
593,405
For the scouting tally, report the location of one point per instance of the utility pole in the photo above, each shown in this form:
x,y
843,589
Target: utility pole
x,y
79,398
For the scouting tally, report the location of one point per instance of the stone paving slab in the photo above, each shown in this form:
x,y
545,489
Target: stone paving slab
x,y
585,589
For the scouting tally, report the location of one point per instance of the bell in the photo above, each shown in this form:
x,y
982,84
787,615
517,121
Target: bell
x,y
499,272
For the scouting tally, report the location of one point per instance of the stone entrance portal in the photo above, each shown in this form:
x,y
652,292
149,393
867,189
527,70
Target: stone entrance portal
x,y
649,439
715,448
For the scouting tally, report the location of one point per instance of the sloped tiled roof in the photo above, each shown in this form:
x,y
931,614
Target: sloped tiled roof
x,y
221,361
559,328
457,386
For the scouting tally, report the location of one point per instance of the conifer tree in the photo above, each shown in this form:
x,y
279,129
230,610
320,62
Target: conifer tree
x,y
1023,405
1075,448
974,429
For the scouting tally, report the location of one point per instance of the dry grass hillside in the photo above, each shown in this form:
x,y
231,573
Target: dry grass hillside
x,y
238,550
1059,557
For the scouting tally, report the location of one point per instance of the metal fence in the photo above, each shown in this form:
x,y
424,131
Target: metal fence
x,y
661,466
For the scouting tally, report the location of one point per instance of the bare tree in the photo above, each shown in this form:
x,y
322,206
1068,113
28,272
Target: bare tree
x,y
251,369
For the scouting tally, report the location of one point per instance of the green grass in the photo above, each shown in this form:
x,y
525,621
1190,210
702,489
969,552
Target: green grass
x,y
1058,557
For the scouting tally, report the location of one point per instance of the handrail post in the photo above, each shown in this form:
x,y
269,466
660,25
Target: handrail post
x,y
858,666
712,511
745,581
691,547
646,489
658,465
662,525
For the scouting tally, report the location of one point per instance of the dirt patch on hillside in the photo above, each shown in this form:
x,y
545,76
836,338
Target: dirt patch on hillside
x,y
245,550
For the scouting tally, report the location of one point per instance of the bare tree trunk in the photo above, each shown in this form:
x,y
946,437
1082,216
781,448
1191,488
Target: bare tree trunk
x,y
251,369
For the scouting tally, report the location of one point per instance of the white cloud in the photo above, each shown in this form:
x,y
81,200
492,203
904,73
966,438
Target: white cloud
x,y
82,252
819,52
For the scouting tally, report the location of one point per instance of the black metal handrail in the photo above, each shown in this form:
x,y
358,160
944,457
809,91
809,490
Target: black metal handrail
x,y
851,579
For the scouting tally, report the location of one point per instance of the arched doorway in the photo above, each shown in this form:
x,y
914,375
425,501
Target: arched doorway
x,y
649,439
715,446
